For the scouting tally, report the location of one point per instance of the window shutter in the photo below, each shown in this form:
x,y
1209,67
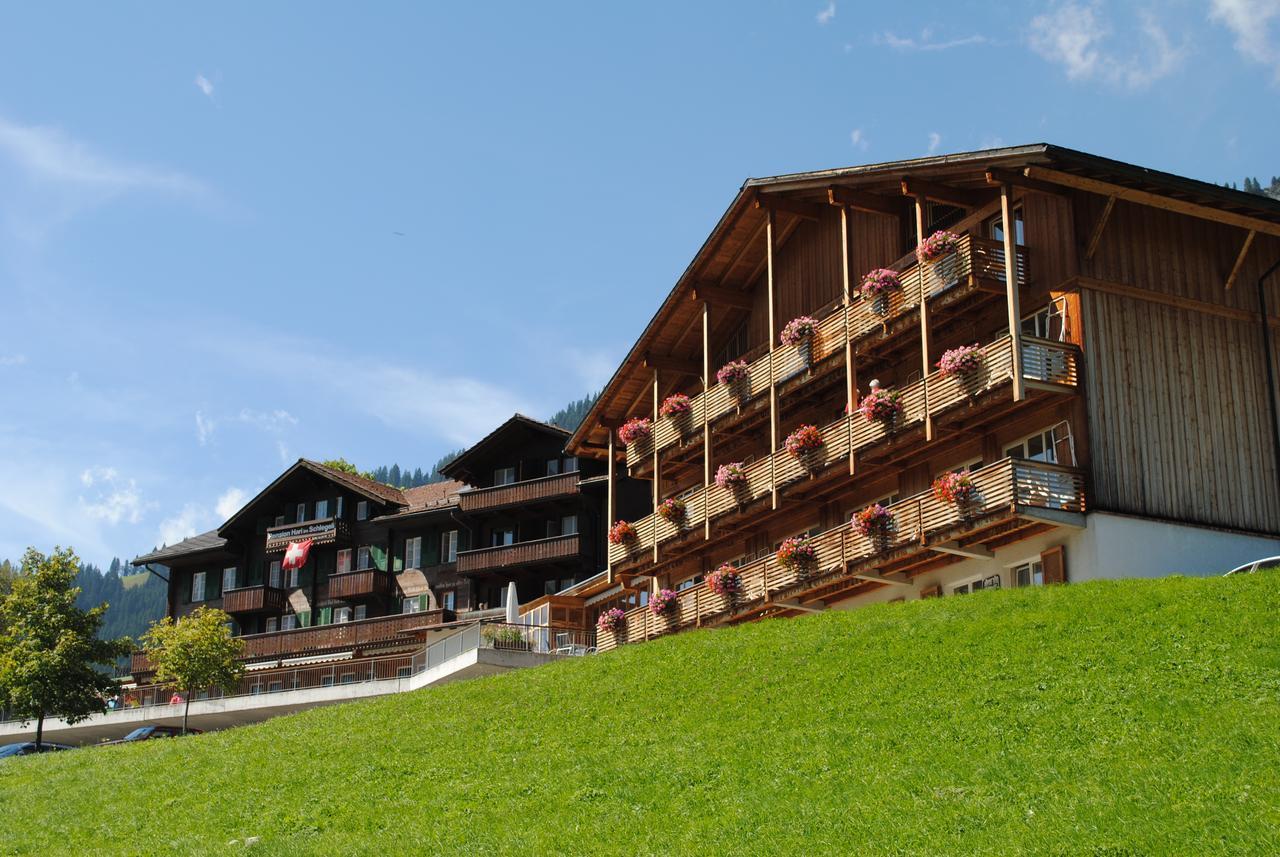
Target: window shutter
x,y
304,619
431,550
1055,565
191,581
934,591
422,602
378,556
326,615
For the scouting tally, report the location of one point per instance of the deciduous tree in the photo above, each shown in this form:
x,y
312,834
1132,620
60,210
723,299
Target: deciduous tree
x,y
197,652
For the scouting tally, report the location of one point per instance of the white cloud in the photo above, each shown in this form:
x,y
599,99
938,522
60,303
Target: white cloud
x,y
270,421
117,500
926,42
858,138
1075,36
12,359
204,85
191,521
824,17
935,140
230,502
282,449
1250,22
204,428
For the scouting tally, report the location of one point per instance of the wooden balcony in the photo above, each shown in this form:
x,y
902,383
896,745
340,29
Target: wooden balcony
x,y
519,493
1012,496
977,264
322,531
140,665
364,583
1048,367
254,599
342,635
519,554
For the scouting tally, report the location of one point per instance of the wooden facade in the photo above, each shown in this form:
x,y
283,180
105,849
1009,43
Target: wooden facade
x,y
1124,365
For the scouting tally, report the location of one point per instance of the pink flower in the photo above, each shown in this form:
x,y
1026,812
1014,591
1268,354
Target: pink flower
x,y
734,370
964,360
634,429
611,620
879,281
875,520
675,405
798,330
807,438
731,474
937,245
663,601
725,580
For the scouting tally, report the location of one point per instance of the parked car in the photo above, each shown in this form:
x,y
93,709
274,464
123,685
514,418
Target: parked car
x,y
147,733
28,748
1256,565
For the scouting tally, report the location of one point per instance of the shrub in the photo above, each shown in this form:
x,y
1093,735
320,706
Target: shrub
x,y
805,439
731,475
799,329
676,405
634,429
937,245
622,533
503,635
663,602
962,361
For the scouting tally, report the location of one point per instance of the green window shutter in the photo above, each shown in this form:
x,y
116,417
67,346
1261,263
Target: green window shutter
x,y
397,562
190,584
304,619
326,615
213,585
379,556
431,548
423,603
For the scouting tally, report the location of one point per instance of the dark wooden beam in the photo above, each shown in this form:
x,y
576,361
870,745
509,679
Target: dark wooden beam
x,y
1096,235
671,363
944,193
611,422
807,210
1244,251
863,201
721,296
996,176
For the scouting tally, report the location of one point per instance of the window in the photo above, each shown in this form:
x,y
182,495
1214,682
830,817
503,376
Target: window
x,y
570,464
362,557
362,510
1041,446
273,624
448,600
404,672
553,466
967,467
734,347
302,513
273,579
322,509
992,582
413,552
275,686
1028,574
341,614
360,612
228,579
995,228
344,561
338,507
1045,323
569,525
502,537
294,577
347,678
553,528
288,622
688,583
326,681
197,587
449,546
504,476
279,520
411,605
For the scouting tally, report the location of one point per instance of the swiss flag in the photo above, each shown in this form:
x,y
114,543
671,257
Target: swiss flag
x,y
295,556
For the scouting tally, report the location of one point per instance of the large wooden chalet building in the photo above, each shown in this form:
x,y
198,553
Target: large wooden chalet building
x,y
808,407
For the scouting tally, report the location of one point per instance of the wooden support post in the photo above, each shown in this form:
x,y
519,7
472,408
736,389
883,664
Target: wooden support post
x,y
1009,228
770,229
850,371
611,501
924,321
706,422
1244,251
657,476
1096,235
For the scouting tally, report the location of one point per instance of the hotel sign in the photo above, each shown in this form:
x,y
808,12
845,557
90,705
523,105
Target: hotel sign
x,y
320,532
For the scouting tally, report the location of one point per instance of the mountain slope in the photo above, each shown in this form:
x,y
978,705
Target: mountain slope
x,y
1125,717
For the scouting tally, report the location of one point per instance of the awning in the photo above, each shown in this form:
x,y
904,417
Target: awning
x,y
317,659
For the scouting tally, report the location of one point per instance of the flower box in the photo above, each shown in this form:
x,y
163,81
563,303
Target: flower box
x,y
881,404
955,488
803,441
664,602
731,476
798,554
622,533
799,330
725,580
963,362
672,509
676,405
634,430
875,522
734,372
937,245
611,620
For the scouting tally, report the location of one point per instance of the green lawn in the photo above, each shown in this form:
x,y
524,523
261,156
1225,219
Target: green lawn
x,y
1137,717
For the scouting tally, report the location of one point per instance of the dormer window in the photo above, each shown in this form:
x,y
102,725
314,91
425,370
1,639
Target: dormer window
x,y
302,513
322,509
504,476
362,510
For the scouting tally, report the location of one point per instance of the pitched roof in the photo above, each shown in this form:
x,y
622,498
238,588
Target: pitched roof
x,y
358,483
432,495
458,467
209,541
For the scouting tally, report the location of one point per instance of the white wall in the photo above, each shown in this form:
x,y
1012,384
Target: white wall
x,y
1109,547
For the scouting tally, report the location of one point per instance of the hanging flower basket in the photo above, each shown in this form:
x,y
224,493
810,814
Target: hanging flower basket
x,y
664,602
875,522
936,246
611,620
634,430
736,374
804,442
725,580
882,404
672,509
798,554
676,405
799,330
963,362
731,476
955,488
622,533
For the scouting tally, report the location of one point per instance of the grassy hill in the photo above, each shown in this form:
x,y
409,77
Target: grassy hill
x,y
1138,717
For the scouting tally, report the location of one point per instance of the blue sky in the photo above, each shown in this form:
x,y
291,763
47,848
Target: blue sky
x,y
235,236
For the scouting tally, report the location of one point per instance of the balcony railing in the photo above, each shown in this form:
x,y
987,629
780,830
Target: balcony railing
x,y
519,493
140,664
1006,488
364,583
1054,364
254,599
521,553
976,259
321,531
340,635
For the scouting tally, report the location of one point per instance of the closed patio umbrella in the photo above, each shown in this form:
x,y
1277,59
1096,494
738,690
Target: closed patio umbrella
x,y
513,604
